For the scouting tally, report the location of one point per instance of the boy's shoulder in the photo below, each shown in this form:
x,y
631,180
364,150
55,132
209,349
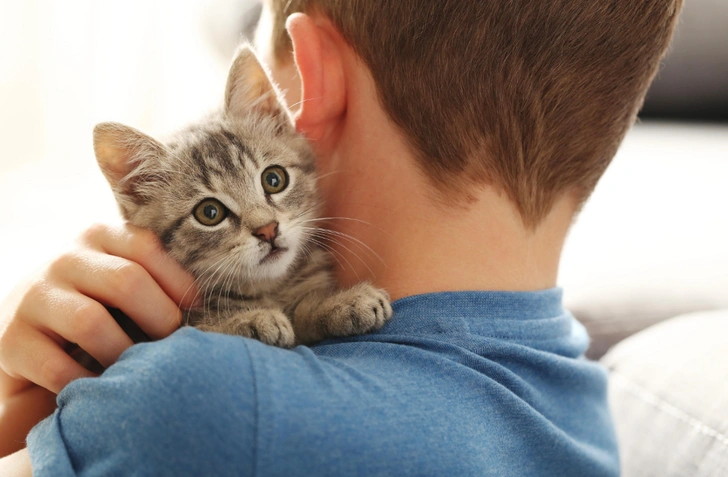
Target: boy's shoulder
x,y
431,393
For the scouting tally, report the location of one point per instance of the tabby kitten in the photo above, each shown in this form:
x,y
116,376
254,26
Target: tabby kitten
x,y
233,199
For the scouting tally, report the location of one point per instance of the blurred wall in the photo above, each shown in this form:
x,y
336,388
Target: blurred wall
x,y
64,66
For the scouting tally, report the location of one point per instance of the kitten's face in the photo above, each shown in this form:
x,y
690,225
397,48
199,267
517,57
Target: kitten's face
x,y
239,203
231,198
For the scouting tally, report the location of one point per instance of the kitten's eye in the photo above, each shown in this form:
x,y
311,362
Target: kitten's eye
x,y
274,179
210,212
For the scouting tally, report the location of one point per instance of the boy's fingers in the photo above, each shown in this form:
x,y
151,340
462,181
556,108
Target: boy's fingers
x,y
143,247
121,284
43,361
69,316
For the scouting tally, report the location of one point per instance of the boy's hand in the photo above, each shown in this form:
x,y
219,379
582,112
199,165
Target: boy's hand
x,y
122,267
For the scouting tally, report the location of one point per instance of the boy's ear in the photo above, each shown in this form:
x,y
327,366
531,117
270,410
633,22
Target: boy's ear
x,y
249,88
316,51
127,158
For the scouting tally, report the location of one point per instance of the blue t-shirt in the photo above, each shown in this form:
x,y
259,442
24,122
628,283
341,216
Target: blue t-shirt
x,y
456,384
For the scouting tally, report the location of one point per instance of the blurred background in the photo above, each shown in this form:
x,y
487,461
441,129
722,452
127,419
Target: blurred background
x,y
65,66
650,244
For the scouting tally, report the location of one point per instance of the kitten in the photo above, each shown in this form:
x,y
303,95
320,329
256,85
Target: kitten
x,y
233,199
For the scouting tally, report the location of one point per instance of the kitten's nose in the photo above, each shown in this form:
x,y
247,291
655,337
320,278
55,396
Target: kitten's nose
x,y
267,233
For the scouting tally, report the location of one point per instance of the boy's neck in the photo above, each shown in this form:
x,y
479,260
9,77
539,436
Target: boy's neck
x,y
408,249
408,243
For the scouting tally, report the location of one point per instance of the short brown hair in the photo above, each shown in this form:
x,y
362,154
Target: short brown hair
x,y
531,96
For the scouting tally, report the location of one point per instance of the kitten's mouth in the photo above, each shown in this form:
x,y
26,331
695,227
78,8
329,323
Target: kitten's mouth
x,y
274,254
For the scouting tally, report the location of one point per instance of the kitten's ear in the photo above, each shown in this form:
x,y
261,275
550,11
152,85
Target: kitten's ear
x,y
126,157
249,87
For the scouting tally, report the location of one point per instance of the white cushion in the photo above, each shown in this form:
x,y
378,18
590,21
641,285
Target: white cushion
x,y
668,391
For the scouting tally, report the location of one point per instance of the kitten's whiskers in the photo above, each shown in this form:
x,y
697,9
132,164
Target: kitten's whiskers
x,y
336,252
206,277
340,244
361,245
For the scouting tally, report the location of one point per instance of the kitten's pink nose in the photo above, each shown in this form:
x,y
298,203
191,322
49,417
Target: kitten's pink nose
x,y
267,233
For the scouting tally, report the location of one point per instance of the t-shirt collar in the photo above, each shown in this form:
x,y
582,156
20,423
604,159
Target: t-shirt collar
x,y
501,314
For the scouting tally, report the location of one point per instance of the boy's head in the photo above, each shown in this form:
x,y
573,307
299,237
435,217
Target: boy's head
x,y
531,97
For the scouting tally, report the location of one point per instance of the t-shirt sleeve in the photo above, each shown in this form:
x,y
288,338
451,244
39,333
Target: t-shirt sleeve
x,y
167,408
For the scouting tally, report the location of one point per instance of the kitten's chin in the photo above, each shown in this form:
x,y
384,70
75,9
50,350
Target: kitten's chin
x,y
276,263
274,255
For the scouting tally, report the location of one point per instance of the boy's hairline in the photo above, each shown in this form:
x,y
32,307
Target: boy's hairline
x,y
445,193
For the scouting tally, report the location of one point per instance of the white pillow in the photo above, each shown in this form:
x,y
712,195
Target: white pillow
x,y
668,392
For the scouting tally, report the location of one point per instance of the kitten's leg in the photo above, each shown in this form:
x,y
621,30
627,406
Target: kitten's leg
x,y
354,311
268,325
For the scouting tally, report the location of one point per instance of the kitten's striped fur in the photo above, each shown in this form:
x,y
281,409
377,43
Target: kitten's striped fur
x,y
262,271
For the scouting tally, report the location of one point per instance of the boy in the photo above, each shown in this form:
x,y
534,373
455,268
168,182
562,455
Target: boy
x,y
461,138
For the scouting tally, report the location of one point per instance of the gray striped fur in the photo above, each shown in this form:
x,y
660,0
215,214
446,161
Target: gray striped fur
x,y
282,301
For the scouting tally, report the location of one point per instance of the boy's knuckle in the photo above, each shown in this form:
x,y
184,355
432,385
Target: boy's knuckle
x,y
35,292
127,279
145,244
53,374
87,320
94,233
61,264
8,339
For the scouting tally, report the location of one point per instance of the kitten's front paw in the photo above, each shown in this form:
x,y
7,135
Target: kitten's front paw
x,y
361,309
267,325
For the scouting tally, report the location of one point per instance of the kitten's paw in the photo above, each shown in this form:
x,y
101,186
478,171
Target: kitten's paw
x,y
361,309
267,325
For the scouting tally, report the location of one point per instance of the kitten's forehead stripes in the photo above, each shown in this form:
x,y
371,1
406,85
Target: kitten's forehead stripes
x,y
204,172
242,149
205,166
218,154
228,150
222,153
